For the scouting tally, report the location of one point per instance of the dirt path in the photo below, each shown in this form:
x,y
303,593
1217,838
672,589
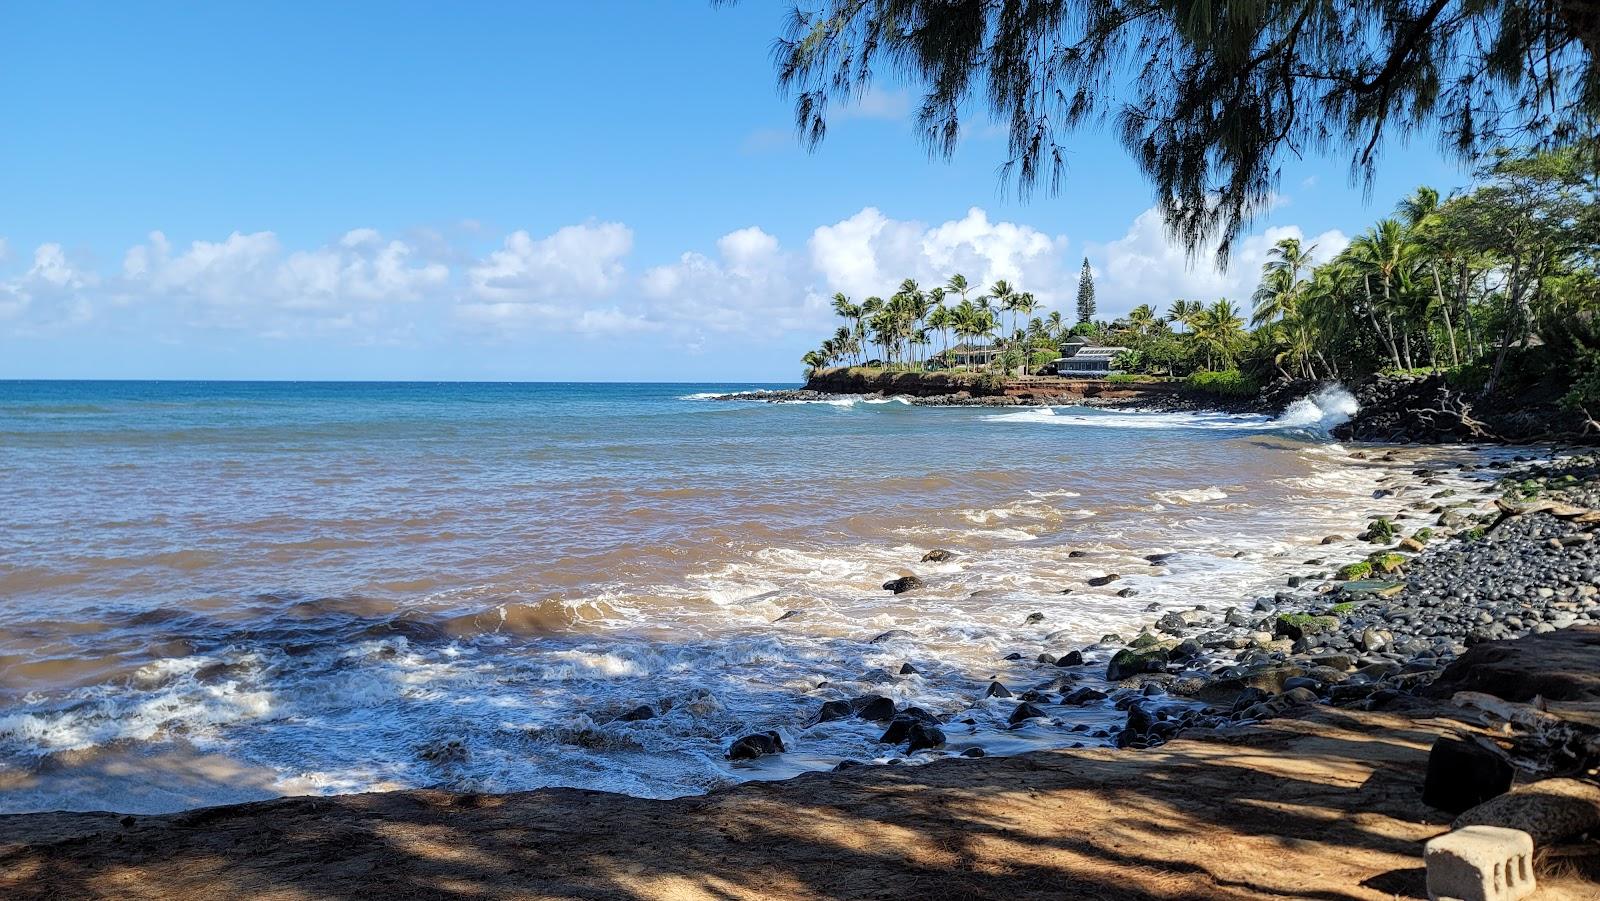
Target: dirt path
x,y
1325,807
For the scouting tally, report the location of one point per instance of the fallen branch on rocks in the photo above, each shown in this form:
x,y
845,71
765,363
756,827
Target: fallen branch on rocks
x,y
1577,515
1549,744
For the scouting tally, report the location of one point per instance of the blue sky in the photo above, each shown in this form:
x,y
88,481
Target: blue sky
x,y
603,190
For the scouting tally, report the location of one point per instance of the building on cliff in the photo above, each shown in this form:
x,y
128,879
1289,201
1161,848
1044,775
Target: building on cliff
x,y
1080,358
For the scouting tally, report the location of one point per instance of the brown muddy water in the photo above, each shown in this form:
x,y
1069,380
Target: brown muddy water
x,y
215,592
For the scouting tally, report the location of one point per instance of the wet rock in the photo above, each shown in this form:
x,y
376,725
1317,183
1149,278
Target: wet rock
x,y
903,584
1033,618
873,707
1012,656
1070,658
1082,696
890,635
1188,649
787,616
996,690
1131,662
1098,581
1025,712
1046,659
1159,559
1298,625
974,752
758,744
1172,624
923,736
1077,554
938,555
907,669
642,712
835,710
1127,592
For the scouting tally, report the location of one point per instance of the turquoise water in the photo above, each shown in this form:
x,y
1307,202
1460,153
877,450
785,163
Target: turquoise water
x,y
219,591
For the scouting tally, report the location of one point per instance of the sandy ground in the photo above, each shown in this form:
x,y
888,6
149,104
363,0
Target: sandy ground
x,y
1321,807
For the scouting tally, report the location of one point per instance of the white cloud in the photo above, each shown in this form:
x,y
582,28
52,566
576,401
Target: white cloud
x,y
370,288
752,286
583,260
252,269
1146,266
50,291
869,253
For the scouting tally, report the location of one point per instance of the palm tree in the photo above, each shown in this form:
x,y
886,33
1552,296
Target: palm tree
x,y
1184,312
1218,329
1280,280
1384,254
1057,325
1142,319
958,284
849,312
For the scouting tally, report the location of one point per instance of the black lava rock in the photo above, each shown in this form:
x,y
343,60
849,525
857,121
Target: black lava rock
x,y
758,744
1462,775
902,584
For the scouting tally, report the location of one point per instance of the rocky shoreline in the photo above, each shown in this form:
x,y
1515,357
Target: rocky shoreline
x,y
1377,616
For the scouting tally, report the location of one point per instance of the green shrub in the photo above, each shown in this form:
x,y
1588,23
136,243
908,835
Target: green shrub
x,y
1227,383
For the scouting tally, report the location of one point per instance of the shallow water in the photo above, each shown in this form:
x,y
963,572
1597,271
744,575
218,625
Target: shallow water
x,y
213,592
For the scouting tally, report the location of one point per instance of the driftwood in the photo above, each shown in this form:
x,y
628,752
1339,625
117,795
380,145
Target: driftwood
x,y
1582,516
1534,740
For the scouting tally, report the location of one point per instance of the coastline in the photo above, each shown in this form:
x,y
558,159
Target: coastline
x,y
1320,718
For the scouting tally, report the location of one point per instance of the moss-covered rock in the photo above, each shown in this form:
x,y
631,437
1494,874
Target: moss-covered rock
x,y
1387,562
1144,640
1358,570
1380,531
1296,626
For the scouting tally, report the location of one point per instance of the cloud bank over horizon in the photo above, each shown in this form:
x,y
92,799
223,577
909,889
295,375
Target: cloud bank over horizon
x,y
581,280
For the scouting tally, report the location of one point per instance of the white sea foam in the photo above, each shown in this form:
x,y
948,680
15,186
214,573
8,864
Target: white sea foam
x,y
703,395
1191,495
1319,412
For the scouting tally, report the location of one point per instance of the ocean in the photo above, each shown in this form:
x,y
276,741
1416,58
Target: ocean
x,y
219,591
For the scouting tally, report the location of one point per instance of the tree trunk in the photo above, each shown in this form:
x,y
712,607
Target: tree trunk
x,y
1444,307
1512,319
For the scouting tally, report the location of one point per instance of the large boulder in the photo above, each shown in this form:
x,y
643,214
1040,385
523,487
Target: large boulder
x,y
836,710
1462,774
1563,665
873,707
1551,811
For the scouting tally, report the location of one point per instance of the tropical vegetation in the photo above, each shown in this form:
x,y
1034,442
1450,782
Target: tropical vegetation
x,y
1496,285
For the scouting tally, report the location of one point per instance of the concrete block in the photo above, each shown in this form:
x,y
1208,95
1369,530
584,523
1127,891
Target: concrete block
x,y
1480,863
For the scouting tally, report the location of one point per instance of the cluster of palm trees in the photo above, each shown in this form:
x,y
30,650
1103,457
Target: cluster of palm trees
x,y
900,331
1190,335
1443,282
1457,282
